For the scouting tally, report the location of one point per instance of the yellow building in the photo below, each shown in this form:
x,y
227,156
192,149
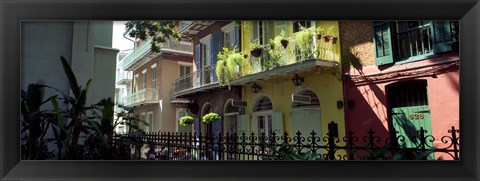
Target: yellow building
x,y
273,102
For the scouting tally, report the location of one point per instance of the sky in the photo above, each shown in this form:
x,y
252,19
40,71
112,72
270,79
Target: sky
x,y
118,41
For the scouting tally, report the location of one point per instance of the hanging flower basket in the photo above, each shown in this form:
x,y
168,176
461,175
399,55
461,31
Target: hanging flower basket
x,y
326,38
334,40
284,43
256,52
210,118
186,120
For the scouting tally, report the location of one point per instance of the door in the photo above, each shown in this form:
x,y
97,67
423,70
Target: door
x,y
410,113
306,121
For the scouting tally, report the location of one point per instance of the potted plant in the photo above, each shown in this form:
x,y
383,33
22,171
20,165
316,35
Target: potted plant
x,y
325,34
186,120
304,42
320,31
283,39
272,44
256,49
334,39
211,118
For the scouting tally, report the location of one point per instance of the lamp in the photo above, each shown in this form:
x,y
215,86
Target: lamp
x,y
297,80
255,88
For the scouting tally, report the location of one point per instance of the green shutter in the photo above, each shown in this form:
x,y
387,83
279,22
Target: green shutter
x,y
243,125
277,123
442,31
254,125
382,39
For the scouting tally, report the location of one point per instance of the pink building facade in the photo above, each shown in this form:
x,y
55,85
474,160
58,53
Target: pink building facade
x,y
403,77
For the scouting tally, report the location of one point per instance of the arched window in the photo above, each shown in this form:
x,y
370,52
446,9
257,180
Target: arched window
x,y
314,101
262,104
262,116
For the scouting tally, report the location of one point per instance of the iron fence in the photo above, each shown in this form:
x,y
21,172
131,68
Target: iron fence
x,y
243,146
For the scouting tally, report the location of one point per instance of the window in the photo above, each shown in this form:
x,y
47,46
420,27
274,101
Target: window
x,y
298,24
205,58
230,35
205,50
135,84
412,40
149,127
262,116
154,76
260,32
408,94
144,79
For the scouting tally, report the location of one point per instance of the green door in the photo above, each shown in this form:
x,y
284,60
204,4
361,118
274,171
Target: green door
x,y
410,113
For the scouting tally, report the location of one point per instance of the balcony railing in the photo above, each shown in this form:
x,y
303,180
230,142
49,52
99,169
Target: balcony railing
x,y
415,42
124,77
136,54
141,97
194,80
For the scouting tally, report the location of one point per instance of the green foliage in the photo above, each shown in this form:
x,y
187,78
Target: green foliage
x,y
228,65
186,120
304,42
256,45
68,122
289,152
322,32
158,31
210,118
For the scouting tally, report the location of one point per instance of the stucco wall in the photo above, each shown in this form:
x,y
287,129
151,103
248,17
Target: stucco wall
x,y
326,86
365,84
42,45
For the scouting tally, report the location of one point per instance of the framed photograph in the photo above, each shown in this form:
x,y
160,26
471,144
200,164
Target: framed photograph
x,y
239,90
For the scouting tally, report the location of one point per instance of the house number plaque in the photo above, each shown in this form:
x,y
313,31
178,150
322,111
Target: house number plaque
x,y
416,116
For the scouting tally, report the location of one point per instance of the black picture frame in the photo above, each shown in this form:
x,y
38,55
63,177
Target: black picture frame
x,y
13,12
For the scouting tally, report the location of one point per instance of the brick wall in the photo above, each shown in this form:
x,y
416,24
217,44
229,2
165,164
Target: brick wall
x,y
357,44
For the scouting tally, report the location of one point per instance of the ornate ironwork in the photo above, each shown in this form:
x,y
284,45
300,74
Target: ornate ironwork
x,y
252,146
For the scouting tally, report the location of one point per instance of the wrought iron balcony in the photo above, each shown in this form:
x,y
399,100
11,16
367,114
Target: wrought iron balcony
x,y
124,77
145,96
194,80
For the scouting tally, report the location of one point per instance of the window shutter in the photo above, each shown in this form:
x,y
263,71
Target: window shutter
x,y
277,123
382,39
442,31
243,125
217,127
216,46
236,36
198,54
254,125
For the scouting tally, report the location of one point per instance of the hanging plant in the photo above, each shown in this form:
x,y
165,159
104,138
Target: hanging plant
x,y
228,65
186,120
256,49
326,38
210,118
334,40
284,43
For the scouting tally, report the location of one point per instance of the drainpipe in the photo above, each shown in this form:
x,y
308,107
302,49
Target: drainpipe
x,y
125,36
